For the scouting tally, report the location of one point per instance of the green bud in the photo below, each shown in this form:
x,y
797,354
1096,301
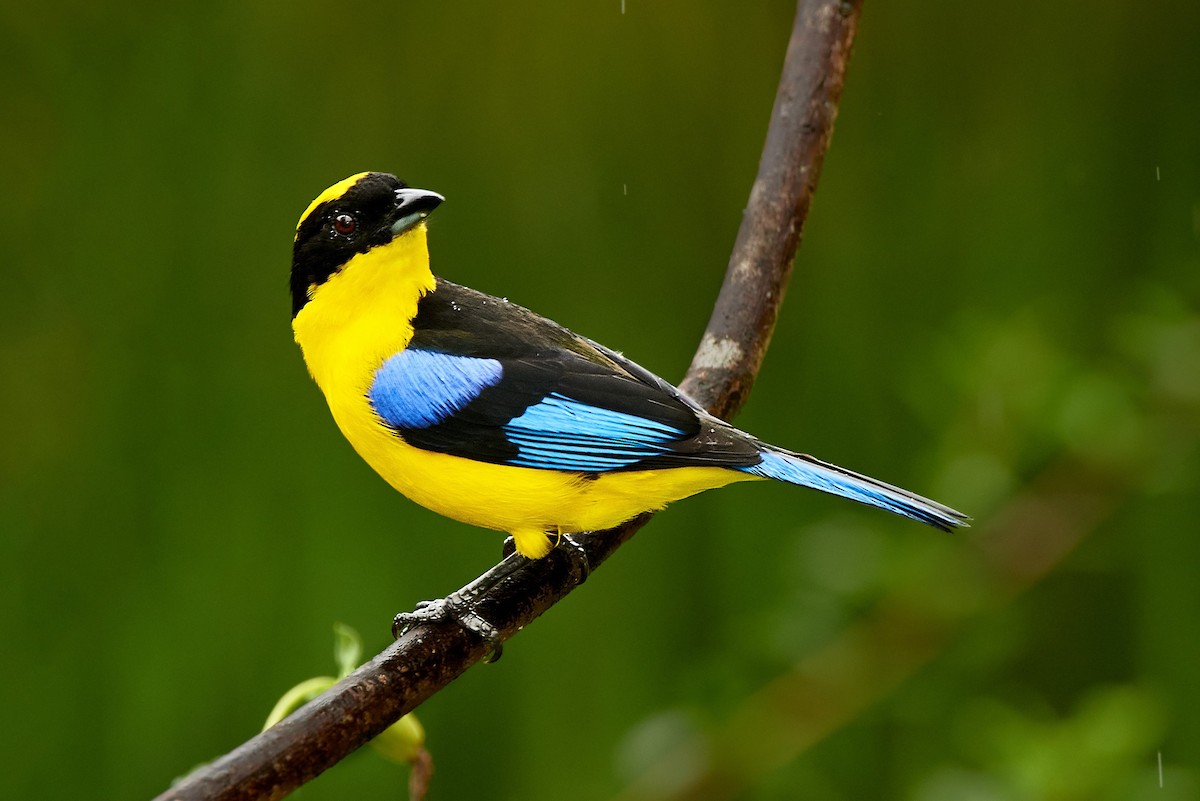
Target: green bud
x,y
403,741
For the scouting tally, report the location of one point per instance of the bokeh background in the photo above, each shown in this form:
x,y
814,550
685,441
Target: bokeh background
x,y
997,303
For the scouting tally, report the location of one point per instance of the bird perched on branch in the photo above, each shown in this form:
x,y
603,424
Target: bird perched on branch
x,y
495,416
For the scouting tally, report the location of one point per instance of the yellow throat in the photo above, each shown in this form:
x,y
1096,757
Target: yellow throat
x,y
362,314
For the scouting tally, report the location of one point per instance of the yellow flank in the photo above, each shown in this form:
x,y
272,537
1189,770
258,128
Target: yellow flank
x,y
359,318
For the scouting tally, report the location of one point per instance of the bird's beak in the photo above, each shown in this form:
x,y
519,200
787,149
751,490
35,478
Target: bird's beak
x,y
412,206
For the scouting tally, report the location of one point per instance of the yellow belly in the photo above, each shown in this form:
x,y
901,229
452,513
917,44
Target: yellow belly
x,y
522,501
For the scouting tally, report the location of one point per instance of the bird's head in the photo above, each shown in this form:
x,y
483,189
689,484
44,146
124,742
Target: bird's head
x,y
364,212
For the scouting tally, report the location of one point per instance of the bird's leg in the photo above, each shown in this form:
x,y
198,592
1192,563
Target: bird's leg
x,y
459,606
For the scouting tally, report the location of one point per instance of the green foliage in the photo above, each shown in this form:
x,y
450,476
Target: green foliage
x,y
1102,750
403,741
997,303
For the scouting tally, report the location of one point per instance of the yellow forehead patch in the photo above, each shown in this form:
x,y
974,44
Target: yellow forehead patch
x,y
337,190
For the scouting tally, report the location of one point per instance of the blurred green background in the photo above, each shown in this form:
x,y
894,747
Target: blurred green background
x,y
997,303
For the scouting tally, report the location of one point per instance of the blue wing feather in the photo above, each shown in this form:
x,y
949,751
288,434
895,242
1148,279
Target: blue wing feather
x,y
560,433
419,388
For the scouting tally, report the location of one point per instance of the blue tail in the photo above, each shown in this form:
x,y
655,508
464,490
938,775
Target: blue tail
x,y
798,468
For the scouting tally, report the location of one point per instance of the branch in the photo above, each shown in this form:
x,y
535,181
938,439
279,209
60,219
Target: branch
x,y
806,103
430,656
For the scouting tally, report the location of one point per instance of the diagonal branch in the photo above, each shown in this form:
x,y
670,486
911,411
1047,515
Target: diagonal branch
x,y
806,103
430,656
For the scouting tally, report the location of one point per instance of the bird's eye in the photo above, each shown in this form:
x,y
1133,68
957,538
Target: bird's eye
x,y
344,224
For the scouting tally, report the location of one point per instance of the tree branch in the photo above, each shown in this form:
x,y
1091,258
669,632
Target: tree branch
x,y
429,656
735,342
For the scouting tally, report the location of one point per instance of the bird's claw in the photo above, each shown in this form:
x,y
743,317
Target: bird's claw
x,y
577,555
453,608
459,607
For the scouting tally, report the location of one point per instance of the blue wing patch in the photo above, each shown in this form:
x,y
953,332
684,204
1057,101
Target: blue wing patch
x,y
560,433
419,388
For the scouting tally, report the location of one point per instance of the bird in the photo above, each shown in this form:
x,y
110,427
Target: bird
x,y
495,416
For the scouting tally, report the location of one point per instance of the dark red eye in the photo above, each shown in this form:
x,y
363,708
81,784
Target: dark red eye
x,y
344,224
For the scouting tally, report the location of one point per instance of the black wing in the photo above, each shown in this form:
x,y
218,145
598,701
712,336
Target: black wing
x,y
488,380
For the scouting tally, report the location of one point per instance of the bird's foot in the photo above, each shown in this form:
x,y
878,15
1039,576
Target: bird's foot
x,y
460,607
454,608
572,546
